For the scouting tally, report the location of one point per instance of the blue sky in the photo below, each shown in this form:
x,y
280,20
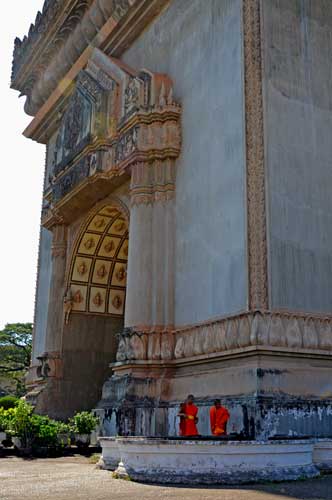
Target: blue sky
x,y
20,180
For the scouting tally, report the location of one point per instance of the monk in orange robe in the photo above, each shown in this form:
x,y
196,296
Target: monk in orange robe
x,y
182,415
219,417
188,417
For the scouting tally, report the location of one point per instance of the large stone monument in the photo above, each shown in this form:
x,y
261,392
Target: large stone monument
x,y
186,229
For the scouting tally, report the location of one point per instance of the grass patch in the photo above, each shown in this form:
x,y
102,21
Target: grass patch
x,y
94,458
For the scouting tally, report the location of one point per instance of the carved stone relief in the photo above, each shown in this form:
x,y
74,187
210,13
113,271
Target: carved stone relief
x,y
269,330
145,129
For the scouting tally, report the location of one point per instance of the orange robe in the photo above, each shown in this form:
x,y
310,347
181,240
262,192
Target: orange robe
x,y
218,420
189,427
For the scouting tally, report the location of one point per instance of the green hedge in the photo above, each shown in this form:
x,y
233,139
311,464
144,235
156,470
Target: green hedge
x,y
7,402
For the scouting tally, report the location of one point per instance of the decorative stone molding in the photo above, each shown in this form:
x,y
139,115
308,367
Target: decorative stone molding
x,y
265,329
136,345
118,121
70,13
257,243
59,241
285,330
152,182
63,33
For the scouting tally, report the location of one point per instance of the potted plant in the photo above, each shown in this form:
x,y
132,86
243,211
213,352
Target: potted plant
x,y
3,425
5,418
63,434
20,427
83,423
44,435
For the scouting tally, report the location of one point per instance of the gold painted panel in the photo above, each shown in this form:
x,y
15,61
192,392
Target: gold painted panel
x,y
109,211
99,223
119,277
97,301
79,297
123,253
109,246
89,243
81,269
119,226
101,272
116,302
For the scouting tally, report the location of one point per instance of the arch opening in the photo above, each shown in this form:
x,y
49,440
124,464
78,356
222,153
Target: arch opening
x,y
98,270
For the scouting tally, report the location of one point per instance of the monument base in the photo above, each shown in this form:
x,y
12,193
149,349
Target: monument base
x,y
213,462
267,393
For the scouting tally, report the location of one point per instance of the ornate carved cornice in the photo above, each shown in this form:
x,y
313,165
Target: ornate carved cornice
x,y
42,59
46,36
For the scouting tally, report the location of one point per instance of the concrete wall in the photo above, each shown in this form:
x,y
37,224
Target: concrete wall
x,y
42,293
198,44
298,120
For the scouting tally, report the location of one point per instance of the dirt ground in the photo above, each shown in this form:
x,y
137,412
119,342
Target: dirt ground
x,y
69,478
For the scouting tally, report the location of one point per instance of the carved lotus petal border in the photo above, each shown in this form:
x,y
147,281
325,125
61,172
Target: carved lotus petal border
x,y
270,330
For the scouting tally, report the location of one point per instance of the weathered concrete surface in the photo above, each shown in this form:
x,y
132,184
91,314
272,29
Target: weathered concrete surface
x,y
75,478
212,462
42,293
298,121
199,45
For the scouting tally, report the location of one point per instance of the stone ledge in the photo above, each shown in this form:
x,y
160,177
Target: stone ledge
x,y
111,454
160,460
322,454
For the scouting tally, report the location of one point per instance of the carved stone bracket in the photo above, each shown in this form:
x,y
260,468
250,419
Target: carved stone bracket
x,y
50,365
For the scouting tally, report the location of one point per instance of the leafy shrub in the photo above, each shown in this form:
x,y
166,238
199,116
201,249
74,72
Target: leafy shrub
x,y
7,402
44,430
20,424
39,431
63,428
84,422
5,418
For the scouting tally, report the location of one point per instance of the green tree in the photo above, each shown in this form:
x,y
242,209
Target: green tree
x,y
15,355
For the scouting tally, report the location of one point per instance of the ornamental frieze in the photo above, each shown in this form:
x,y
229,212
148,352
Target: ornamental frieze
x,y
115,119
265,330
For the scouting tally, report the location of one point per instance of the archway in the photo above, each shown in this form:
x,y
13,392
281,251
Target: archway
x,y
98,270
96,284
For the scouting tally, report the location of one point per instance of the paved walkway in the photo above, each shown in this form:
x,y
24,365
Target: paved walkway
x,y
72,478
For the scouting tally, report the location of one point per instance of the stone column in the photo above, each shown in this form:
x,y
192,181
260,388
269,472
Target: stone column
x,y
57,290
150,286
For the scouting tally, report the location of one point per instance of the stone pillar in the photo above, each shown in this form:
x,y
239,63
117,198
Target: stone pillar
x,y
57,290
150,288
